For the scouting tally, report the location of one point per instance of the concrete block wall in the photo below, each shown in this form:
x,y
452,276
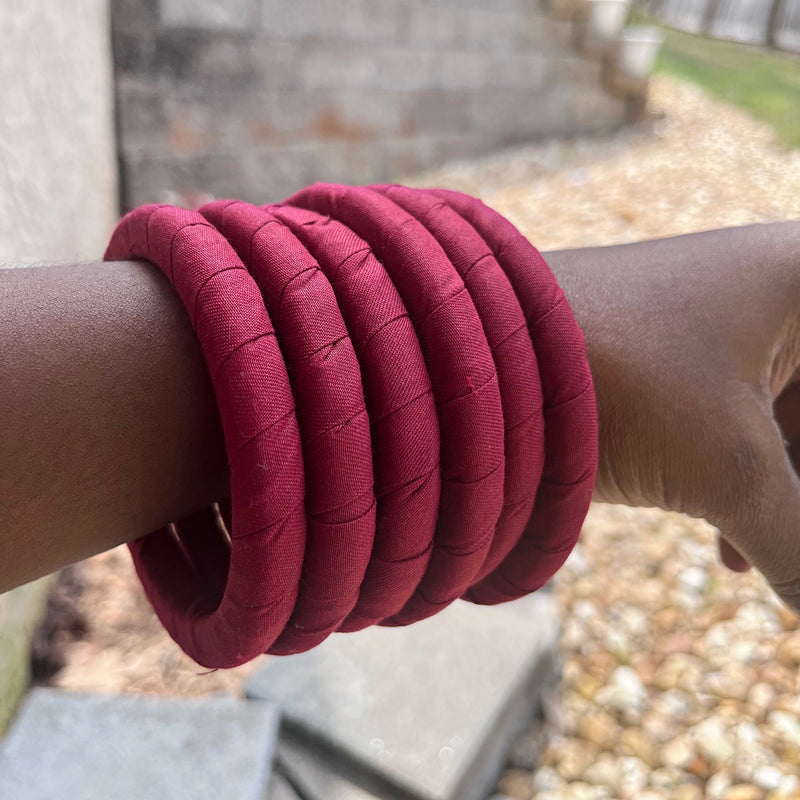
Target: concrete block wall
x,y
257,98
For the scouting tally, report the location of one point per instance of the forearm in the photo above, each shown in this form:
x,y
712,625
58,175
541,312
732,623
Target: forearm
x,y
109,424
110,427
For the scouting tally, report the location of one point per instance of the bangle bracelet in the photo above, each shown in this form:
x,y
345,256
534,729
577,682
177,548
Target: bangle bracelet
x,y
402,413
334,428
463,377
407,408
267,539
512,351
570,415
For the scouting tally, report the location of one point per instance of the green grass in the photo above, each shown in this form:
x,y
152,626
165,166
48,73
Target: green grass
x,y
764,82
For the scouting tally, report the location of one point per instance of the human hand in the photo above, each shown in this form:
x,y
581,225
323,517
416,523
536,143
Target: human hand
x,y
694,345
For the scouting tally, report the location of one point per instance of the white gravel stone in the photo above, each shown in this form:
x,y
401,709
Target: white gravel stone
x,y
666,777
678,752
747,735
577,563
580,790
672,703
785,725
743,652
633,620
606,771
717,785
624,691
754,617
767,777
712,740
693,579
584,610
635,774
546,778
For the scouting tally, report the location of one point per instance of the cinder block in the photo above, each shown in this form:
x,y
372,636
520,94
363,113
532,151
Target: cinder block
x,y
434,25
94,747
140,111
467,145
592,108
134,52
350,20
400,69
573,70
278,64
506,6
334,66
462,70
490,111
180,123
408,155
546,34
331,65
376,22
134,14
435,111
345,162
211,60
293,113
212,15
490,29
258,175
404,157
429,709
210,105
517,71
374,113
158,177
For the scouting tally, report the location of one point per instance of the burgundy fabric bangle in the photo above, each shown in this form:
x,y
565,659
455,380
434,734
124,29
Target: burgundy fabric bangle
x,y
570,416
402,413
512,351
464,382
256,407
418,426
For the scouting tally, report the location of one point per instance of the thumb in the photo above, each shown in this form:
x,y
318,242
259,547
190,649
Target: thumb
x,y
764,527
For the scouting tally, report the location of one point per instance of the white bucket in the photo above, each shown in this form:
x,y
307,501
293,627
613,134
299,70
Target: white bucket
x,y
638,48
607,17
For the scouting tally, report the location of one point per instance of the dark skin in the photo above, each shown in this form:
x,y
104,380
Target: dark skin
x,y
110,427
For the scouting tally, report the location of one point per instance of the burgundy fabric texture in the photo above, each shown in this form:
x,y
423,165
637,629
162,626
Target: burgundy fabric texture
x,y
463,377
570,416
512,351
256,407
402,413
407,408
325,379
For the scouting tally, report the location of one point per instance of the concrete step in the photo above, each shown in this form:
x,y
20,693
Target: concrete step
x,y
426,711
73,746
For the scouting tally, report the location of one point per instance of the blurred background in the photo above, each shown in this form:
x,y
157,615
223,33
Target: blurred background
x,y
585,122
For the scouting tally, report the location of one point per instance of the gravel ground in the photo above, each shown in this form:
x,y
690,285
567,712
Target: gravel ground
x,y
680,678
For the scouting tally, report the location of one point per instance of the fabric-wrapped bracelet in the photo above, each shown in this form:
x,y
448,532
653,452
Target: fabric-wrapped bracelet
x,y
407,408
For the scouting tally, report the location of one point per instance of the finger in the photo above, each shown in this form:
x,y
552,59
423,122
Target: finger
x,y
730,556
764,528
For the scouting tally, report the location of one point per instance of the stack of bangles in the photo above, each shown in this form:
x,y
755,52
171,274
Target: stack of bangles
x,y
408,414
